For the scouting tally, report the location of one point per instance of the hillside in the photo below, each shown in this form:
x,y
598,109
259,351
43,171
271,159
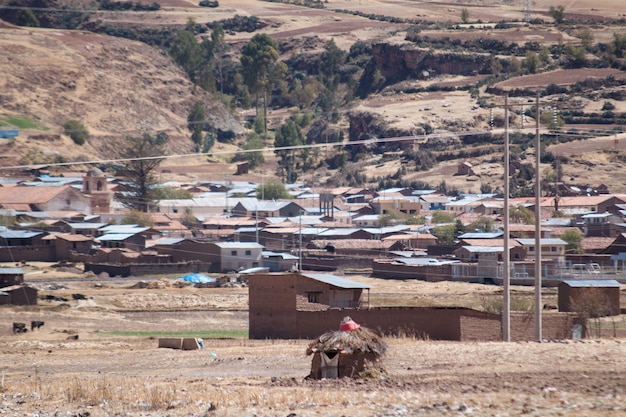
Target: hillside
x,y
438,81
114,86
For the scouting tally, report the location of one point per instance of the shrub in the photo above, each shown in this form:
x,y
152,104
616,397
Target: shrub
x,y
77,131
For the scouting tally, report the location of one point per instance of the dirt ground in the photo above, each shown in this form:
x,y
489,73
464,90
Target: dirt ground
x,y
46,373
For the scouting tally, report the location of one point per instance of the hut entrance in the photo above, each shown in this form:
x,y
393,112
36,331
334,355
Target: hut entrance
x,y
329,366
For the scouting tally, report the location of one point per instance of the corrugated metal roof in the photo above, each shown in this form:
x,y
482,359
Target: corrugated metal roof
x,y
12,271
19,234
86,225
115,236
423,261
238,245
481,235
592,283
169,241
337,281
544,242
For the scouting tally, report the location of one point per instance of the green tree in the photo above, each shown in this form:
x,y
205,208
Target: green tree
x,y
576,56
254,158
219,47
515,65
557,13
531,62
445,234
482,224
27,18
261,68
169,193
140,157
619,44
139,218
186,52
331,59
77,131
574,238
440,216
188,218
289,135
272,190
465,15
521,214
586,38
196,122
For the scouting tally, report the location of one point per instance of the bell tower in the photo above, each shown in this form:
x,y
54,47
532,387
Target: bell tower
x,y
95,186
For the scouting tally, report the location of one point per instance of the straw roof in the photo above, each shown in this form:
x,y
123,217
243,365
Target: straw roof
x,y
358,340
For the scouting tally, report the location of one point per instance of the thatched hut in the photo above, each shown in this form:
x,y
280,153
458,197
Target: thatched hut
x,y
346,353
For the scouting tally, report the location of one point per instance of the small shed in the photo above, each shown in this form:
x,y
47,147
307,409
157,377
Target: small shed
x,y
594,297
346,353
19,295
11,276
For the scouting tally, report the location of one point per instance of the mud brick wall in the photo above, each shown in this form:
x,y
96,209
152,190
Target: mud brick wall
x,y
272,307
428,323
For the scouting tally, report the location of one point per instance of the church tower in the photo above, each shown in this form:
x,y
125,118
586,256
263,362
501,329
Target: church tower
x,y
95,186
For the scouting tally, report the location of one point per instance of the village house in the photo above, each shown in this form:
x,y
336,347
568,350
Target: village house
x,y
262,209
24,245
551,250
602,224
433,202
404,204
44,198
602,295
67,245
234,256
127,236
584,204
13,290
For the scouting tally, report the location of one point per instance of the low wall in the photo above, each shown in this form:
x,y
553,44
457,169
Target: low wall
x,y
39,253
146,269
459,324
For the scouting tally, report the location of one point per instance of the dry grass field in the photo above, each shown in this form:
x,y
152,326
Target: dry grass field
x,y
114,367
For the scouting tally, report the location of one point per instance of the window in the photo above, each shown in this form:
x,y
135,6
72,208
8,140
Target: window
x,y
99,186
248,252
233,253
531,249
553,249
314,297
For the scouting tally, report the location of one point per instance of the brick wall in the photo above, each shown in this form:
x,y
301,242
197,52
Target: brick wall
x,y
41,253
272,306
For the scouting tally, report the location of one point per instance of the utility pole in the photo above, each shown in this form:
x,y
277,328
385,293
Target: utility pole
x,y
300,251
538,304
506,279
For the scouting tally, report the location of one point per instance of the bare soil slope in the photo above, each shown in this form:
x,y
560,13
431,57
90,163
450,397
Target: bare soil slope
x,y
115,87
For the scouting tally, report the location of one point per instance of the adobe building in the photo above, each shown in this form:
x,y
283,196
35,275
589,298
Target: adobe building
x,y
12,288
303,306
597,297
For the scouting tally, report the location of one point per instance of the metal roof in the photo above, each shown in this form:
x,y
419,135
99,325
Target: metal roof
x,y
169,241
592,283
86,225
423,261
19,234
238,245
544,242
337,281
481,235
115,236
7,271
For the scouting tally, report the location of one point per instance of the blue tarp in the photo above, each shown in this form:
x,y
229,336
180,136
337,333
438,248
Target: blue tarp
x,y
197,278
